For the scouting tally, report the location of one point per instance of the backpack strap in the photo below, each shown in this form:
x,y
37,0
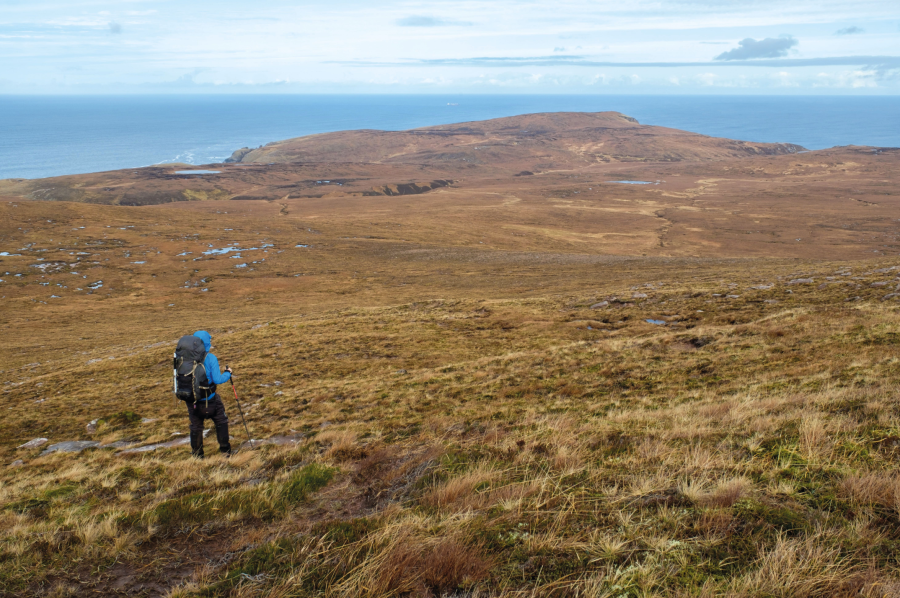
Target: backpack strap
x,y
196,383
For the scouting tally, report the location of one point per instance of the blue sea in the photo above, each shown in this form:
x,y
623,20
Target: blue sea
x,y
43,136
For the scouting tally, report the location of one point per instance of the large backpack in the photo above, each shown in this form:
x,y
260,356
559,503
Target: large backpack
x,y
190,382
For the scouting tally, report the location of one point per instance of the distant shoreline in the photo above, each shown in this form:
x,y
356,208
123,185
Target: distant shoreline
x,y
48,136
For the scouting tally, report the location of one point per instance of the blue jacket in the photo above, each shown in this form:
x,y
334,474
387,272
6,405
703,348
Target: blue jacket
x,y
211,363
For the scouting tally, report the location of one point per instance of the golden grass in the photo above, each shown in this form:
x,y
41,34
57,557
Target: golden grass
x,y
486,447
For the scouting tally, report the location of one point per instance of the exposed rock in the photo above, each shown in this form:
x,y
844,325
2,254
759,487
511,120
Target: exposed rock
x,y
879,284
92,426
152,447
17,463
638,295
70,446
32,443
801,281
238,155
276,440
118,444
169,444
407,188
599,305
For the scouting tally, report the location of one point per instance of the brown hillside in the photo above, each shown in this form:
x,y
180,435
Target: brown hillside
x,y
559,138
498,374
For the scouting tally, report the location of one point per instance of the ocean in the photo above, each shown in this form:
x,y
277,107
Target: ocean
x,y
42,136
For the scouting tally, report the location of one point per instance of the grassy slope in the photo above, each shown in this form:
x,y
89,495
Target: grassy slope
x,y
455,417
746,450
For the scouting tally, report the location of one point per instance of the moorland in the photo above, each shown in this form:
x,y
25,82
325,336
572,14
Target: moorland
x,y
549,355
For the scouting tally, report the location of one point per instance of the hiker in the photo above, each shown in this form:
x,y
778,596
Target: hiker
x,y
196,376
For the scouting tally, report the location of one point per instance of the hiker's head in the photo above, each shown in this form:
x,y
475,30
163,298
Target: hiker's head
x,y
205,337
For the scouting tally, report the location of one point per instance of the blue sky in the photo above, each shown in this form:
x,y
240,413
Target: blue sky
x,y
474,46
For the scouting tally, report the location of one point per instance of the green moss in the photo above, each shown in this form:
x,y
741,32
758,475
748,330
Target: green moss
x,y
268,558
304,481
770,518
855,453
345,532
195,508
121,419
37,504
59,491
28,505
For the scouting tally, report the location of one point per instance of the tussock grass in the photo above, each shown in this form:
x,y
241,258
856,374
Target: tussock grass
x,y
747,453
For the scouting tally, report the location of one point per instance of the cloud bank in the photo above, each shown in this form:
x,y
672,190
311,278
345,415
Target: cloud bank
x,y
870,62
323,46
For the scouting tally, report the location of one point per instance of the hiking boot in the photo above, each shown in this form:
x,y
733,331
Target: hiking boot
x,y
223,437
197,444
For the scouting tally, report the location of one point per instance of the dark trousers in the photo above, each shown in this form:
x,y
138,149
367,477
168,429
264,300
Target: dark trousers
x,y
212,409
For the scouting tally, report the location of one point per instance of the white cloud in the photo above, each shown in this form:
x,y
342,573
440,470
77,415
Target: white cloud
x,y
851,79
358,45
426,21
785,79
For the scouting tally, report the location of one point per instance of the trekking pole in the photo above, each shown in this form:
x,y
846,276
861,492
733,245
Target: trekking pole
x,y
241,411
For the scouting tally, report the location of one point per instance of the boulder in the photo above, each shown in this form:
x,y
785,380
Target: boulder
x,y
32,443
70,446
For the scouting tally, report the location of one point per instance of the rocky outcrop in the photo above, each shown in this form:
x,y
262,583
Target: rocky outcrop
x,y
407,188
238,155
767,149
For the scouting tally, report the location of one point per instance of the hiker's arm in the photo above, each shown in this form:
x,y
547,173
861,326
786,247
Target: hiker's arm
x,y
213,373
